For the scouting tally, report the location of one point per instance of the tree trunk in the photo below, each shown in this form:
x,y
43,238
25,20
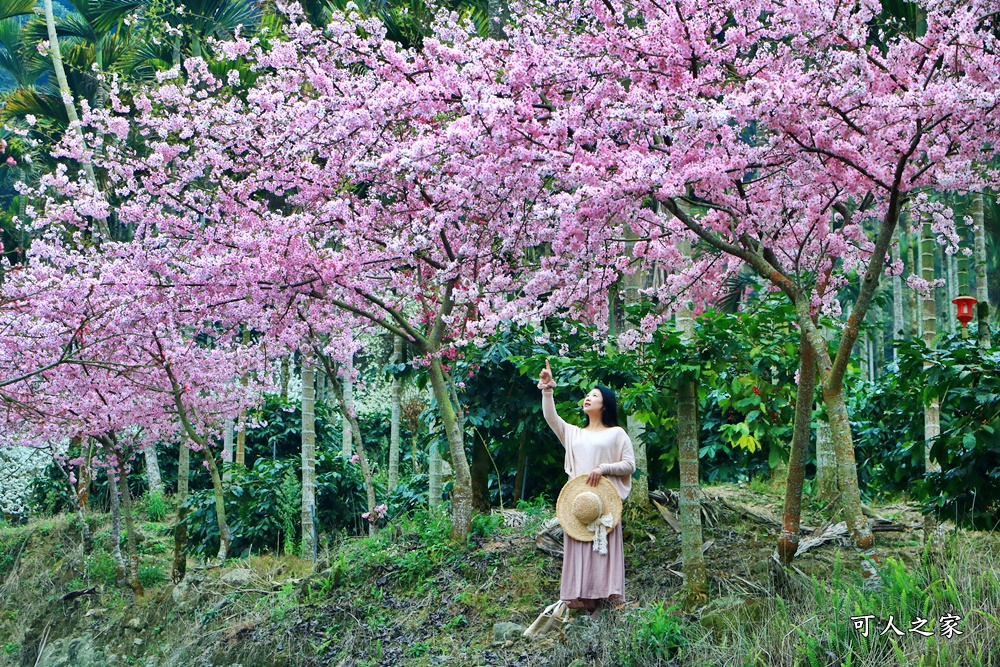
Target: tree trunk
x,y
942,301
308,457
121,572
918,304
67,97
461,497
227,451
827,489
394,415
520,477
348,394
240,457
840,429
982,291
180,530
932,412
953,289
898,323
695,575
285,376
415,452
241,439
133,549
864,358
225,539
319,377
153,469
789,541
635,428
480,470
878,344
434,475
86,475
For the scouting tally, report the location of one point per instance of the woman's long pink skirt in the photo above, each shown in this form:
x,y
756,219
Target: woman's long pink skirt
x,y
588,575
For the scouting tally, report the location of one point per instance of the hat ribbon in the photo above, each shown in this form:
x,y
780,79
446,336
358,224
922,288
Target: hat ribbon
x,y
600,527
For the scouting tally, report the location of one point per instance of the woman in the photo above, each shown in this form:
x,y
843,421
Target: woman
x,y
590,579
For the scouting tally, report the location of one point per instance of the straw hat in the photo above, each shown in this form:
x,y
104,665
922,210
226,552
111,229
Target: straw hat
x,y
579,505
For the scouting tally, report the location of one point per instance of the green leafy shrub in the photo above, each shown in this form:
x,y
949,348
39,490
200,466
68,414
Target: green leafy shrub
x,y
658,637
151,575
889,419
255,499
408,495
485,525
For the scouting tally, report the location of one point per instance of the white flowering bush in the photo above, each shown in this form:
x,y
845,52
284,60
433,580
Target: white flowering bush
x,y
19,466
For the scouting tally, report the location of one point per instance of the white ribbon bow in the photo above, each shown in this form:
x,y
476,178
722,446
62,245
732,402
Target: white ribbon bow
x,y
600,527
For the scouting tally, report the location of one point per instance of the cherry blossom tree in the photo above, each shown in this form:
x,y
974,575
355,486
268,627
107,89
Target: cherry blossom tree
x,y
785,128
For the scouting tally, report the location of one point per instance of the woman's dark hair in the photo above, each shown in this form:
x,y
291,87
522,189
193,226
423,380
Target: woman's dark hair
x,y
609,413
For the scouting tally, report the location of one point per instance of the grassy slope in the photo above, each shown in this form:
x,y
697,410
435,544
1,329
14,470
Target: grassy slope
x,y
411,597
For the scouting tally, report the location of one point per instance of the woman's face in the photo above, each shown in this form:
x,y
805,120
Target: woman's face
x,y
594,401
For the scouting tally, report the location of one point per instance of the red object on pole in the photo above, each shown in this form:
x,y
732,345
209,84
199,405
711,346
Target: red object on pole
x,y
965,304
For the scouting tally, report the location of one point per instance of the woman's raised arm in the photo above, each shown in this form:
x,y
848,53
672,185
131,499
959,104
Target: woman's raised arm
x,y
552,418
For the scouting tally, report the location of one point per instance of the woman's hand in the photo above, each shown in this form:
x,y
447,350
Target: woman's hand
x,y
546,374
545,380
594,478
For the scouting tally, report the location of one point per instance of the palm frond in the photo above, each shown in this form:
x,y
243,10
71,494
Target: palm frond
x,y
23,65
115,49
43,103
736,287
79,60
233,13
67,28
145,59
12,8
103,15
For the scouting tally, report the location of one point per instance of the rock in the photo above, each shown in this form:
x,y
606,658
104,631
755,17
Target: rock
x,y
505,631
238,577
72,652
134,624
185,596
137,642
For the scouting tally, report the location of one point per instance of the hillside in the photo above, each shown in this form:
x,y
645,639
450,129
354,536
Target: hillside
x,y
410,596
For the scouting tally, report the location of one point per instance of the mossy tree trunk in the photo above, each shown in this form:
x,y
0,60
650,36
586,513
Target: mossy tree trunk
x,y
461,497
632,283
789,541
347,391
695,575
827,489
308,456
153,469
121,571
932,411
898,323
982,291
180,529
395,409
